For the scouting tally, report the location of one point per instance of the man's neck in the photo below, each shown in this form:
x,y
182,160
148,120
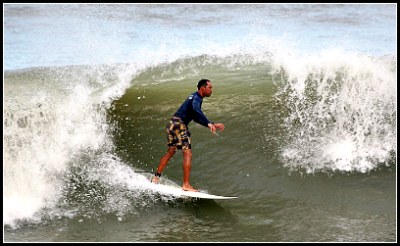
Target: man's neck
x,y
201,94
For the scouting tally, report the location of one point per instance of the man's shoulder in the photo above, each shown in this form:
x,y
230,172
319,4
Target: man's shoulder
x,y
194,95
197,96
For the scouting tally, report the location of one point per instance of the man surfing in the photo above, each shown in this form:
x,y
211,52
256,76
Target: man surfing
x,y
178,134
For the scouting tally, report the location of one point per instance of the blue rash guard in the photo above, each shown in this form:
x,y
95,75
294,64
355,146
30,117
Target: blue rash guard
x,y
191,110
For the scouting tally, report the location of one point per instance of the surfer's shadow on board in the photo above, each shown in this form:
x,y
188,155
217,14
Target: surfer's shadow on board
x,y
169,188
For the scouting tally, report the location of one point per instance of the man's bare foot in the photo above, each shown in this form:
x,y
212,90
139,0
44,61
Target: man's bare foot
x,y
189,188
155,180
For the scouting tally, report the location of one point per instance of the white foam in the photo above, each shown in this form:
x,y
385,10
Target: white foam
x,y
341,109
48,126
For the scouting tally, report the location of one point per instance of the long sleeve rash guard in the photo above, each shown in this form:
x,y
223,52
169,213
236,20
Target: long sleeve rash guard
x,y
191,110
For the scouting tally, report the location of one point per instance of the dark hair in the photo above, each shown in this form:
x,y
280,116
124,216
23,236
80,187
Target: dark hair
x,y
201,83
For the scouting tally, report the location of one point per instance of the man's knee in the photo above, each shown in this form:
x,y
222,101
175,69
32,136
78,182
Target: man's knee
x,y
187,153
172,150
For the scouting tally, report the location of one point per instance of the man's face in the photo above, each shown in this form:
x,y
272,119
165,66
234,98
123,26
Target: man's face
x,y
208,89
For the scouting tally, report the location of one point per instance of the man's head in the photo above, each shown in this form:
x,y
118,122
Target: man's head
x,y
204,87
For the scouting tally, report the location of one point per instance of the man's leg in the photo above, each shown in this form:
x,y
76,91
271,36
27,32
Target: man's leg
x,y
163,163
187,164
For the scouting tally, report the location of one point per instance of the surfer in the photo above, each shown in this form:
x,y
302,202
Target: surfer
x,y
178,134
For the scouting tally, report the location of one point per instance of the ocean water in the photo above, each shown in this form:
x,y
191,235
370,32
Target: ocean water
x,y
307,93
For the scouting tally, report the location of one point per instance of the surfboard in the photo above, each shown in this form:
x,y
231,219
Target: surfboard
x,y
178,192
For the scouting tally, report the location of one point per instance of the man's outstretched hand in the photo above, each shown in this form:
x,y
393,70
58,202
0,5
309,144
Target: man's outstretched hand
x,y
216,126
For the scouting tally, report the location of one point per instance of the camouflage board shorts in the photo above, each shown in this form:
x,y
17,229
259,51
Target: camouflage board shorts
x,y
178,134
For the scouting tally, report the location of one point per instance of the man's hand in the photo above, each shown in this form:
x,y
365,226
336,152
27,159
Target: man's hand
x,y
219,126
216,126
212,127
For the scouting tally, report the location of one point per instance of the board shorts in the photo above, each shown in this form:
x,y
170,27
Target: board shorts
x,y
178,134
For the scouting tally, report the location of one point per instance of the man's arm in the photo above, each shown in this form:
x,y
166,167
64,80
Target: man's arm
x,y
202,119
199,116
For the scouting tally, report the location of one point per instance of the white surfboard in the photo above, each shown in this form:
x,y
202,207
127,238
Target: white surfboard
x,y
178,192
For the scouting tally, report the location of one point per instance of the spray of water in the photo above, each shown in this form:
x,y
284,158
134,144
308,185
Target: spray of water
x,y
341,110
51,116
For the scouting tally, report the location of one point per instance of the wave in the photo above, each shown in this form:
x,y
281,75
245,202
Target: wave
x,y
341,111
51,117
74,126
